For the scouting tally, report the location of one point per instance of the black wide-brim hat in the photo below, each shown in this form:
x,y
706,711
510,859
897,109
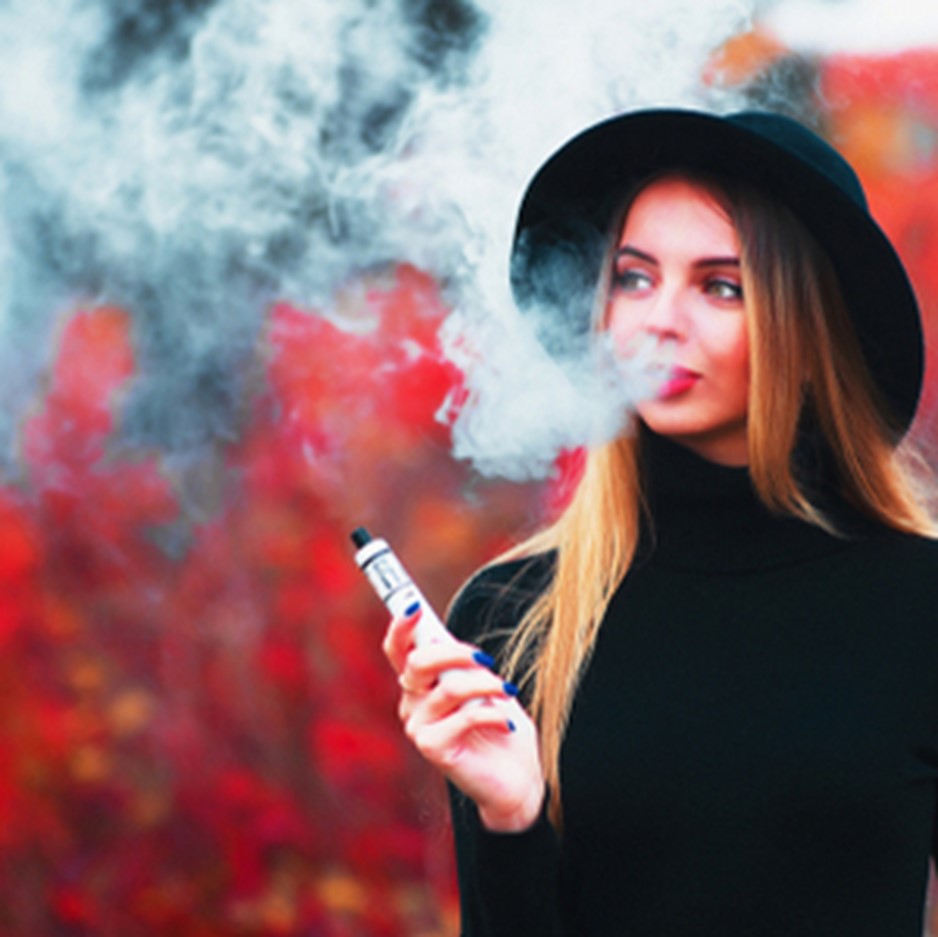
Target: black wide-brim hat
x,y
566,212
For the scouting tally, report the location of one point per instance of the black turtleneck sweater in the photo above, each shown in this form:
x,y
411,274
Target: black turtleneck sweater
x,y
753,749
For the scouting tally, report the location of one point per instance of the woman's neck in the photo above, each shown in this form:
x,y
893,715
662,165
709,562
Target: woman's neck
x,y
731,451
708,516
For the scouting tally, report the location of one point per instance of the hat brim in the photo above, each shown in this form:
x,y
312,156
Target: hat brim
x,y
584,180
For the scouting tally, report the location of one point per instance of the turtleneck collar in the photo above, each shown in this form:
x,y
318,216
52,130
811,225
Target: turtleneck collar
x,y
708,517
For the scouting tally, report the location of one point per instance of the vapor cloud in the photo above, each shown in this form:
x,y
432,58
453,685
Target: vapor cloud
x,y
196,160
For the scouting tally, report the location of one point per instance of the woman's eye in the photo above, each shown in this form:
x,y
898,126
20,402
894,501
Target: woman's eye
x,y
724,289
631,280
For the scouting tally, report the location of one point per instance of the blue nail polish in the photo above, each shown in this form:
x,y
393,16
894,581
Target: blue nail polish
x,y
486,660
510,689
512,727
412,609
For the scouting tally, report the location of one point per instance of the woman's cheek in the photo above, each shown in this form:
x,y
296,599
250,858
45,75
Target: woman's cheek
x,y
622,328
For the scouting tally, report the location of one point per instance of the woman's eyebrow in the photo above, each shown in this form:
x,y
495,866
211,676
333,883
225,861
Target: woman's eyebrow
x,y
717,262
635,252
629,251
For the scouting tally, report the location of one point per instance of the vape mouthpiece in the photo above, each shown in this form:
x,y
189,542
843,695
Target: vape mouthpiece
x,y
360,537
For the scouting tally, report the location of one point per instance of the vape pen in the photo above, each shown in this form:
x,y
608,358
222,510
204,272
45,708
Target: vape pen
x,y
394,587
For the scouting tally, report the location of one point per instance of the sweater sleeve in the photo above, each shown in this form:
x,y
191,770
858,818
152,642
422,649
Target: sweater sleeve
x,y
508,882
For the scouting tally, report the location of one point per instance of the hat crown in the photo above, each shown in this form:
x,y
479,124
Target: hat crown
x,y
801,143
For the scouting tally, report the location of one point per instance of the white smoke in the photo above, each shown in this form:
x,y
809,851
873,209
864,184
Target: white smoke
x,y
823,27
197,159
194,161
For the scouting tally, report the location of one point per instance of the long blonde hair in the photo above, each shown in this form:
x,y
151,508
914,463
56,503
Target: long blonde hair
x,y
804,358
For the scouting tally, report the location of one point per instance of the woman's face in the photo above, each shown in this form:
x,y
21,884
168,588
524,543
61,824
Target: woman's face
x,y
676,287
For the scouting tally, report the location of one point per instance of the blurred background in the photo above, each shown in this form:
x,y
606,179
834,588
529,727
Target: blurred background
x,y
251,276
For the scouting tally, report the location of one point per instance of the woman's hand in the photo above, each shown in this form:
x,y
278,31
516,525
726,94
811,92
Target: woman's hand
x,y
467,723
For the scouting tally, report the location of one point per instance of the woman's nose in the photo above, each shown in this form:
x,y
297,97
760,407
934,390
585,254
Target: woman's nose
x,y
665,315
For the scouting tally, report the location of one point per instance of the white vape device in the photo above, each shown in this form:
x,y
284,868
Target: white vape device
x,y
394,587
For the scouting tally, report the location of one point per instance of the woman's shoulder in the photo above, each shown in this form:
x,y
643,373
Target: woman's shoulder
x,y
495,598
905,560
902,546
917,552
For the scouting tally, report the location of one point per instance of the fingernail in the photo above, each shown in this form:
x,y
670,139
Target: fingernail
x,y
511,726
486,660
510,688
412,609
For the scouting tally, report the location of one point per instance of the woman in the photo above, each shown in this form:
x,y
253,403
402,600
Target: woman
x,y
728,643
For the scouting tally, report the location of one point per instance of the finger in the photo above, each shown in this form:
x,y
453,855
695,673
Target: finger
x,y
426,667
427,661
450,688
455,689
440,741
458,688
399,639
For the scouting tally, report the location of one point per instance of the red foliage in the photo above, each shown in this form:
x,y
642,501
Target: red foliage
x,y
904,80
885,117
201,734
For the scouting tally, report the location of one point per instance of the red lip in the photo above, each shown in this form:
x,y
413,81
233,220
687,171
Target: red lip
x,y
679,381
